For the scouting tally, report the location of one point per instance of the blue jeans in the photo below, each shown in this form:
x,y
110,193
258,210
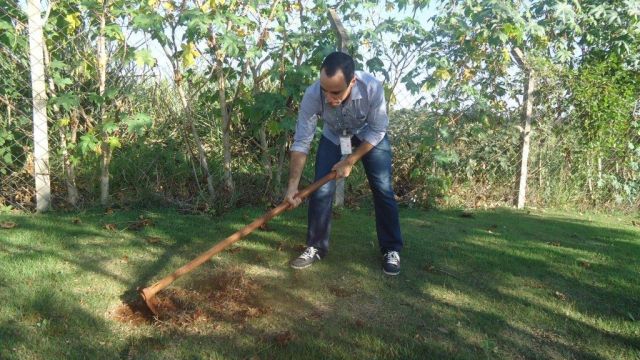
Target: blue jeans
x,y
377,166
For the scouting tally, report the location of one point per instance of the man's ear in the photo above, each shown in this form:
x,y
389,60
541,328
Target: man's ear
x,y
353,81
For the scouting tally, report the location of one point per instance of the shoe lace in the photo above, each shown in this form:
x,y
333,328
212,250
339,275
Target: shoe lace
x,y
393,258
309,253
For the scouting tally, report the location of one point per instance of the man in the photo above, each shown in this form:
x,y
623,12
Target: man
x,y
353,109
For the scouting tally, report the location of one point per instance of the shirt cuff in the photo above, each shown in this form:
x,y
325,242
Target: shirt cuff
x,y
300,148
373,137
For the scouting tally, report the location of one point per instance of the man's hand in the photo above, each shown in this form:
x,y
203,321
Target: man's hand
x,y
343,168
295,171
289,197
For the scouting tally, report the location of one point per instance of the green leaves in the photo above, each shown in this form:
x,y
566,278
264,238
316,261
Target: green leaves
x,y
189,54
536,32
138,123
598,11
60,81
6,139
144,57
8,35
565,13
197,23
89,144
513,32
148,21
67,101
73,22
612,17
602,104
376,65
444,158
442,74
114,32
114,142
153,24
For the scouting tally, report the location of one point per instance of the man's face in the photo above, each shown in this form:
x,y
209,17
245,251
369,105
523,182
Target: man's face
x,y
334,88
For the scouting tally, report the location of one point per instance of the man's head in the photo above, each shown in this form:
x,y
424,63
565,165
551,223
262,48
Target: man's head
x,y
337,77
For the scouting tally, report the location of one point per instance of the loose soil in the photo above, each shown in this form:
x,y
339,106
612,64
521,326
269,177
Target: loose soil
x,y
229,296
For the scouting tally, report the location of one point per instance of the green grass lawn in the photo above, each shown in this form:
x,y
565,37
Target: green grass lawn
x,y
496,284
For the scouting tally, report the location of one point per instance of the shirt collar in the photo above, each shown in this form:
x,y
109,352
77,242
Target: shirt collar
x,y
355,91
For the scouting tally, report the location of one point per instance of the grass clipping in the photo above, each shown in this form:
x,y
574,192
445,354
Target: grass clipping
x,y
229,296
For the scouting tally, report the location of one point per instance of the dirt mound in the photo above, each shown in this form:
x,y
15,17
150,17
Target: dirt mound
x,y
228,296
134,313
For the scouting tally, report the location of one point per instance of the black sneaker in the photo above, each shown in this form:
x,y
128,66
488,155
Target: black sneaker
x,y
307,258
391,263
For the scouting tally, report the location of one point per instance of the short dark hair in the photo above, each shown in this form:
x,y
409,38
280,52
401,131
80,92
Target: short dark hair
x,y
339,60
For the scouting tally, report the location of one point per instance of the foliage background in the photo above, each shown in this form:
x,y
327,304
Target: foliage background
x,y
206,92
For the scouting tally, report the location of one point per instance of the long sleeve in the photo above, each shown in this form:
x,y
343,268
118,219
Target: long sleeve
x,y
377,118
310,107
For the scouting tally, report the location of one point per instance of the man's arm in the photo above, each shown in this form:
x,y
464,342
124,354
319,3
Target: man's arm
x,y
343,167
377,118
310,106
297,161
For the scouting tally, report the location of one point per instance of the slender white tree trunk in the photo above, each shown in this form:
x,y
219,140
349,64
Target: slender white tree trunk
x,y
105,155
529,86
589,180
40,127
599,168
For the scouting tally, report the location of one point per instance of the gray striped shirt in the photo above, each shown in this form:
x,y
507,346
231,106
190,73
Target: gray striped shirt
x,y
364,114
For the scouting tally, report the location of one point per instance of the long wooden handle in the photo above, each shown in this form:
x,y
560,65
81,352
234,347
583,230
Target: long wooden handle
x,y
150,291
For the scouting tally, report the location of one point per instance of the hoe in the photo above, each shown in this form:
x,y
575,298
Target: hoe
x,y
148,294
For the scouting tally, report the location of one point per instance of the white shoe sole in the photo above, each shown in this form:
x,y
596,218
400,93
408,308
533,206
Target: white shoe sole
x,y
300,267
390,273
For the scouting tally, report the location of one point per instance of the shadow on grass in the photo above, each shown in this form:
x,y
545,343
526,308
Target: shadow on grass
x,y
540,265
51,323
499,284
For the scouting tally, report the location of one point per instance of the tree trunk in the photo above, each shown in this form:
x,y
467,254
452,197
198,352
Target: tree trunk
x,y
540,167
40,126
589,181
226,129
600,168
281,161
342,44
74,194
527,111
262,131
69,172
202,157
105,154
264,147
70,175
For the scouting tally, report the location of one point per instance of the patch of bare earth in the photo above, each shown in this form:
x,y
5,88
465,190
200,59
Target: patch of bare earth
x,y
229,296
